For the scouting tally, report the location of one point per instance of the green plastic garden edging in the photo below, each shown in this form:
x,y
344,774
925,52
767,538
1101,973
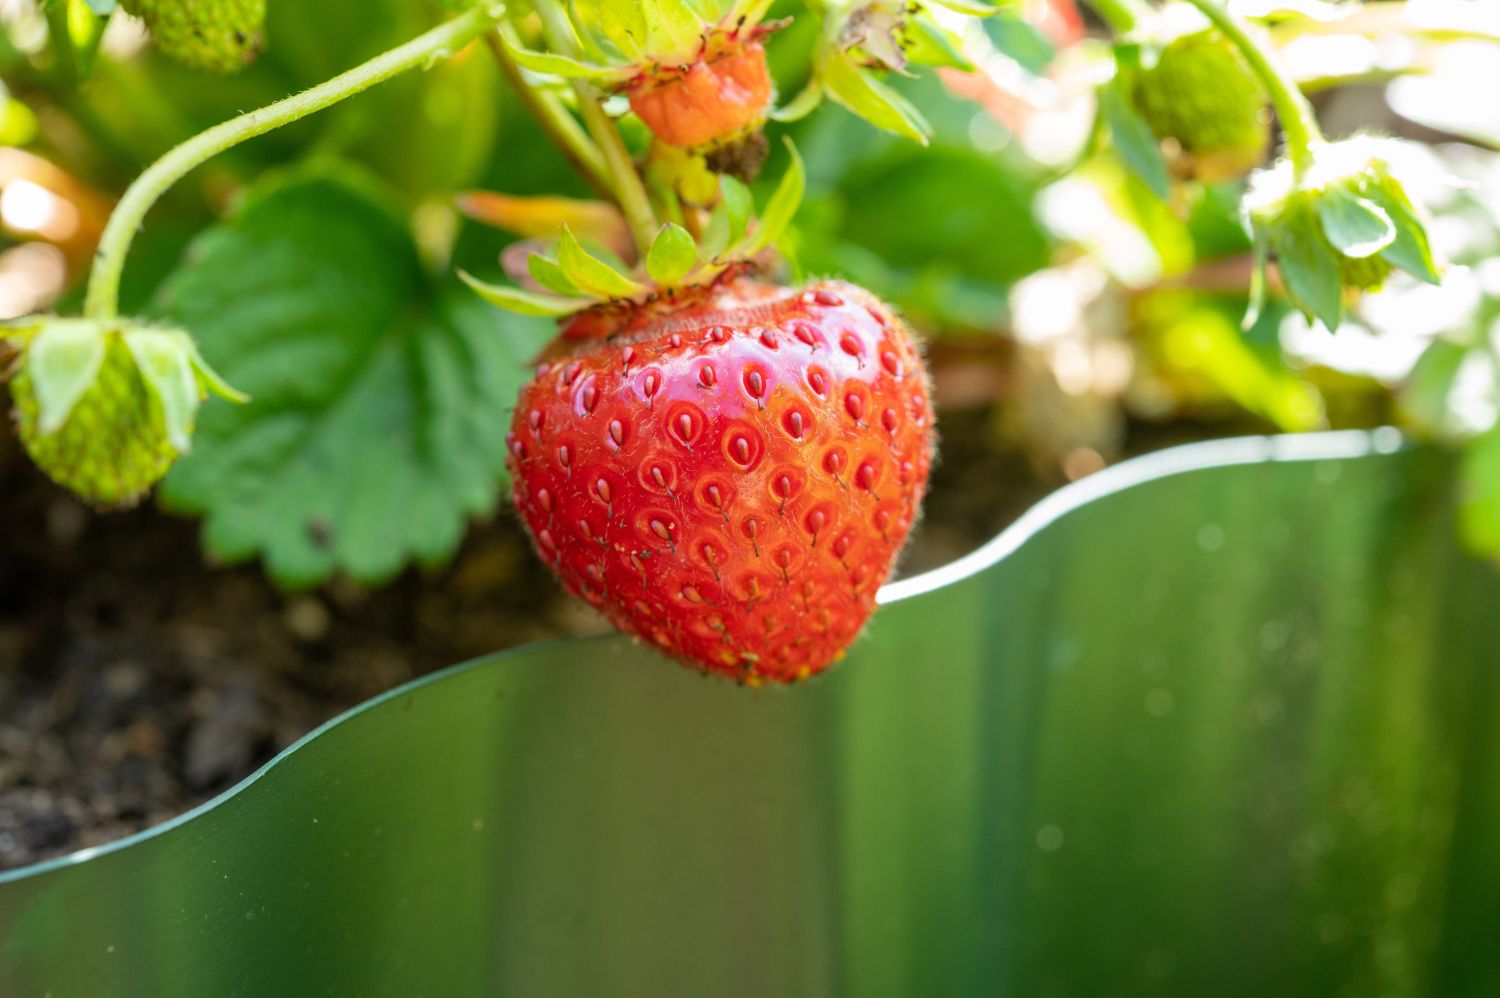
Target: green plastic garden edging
x,y
1220,721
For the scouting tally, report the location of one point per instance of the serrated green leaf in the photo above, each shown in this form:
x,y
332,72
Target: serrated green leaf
x,y
1411,249
522,302
591,274
546,272
672,256
1356,227
1134,141
164,359
380,404
552,64
857,90
781,206
63,361
1308,266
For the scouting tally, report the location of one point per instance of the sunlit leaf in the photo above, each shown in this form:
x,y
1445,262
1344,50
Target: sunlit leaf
x,y
590,273
673,254
858,90
1356,227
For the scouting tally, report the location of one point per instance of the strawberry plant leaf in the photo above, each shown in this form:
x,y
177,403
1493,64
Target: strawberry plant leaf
x,y
552,64
673,254
971,7
738,205
930,44
590,273
858,91
673,28
521,301
1308,267
546,272
781,206
1133,138
801,105
376,427
1356,227
1410,249
166,365
1016,37
64,360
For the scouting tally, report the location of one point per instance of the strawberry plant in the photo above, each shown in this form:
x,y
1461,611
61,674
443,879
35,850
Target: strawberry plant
x,y
688,350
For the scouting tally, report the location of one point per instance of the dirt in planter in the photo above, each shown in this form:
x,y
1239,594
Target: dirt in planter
x,y
137,681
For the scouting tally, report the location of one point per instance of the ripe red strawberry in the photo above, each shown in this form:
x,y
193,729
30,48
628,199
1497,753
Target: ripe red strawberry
x,y
728,472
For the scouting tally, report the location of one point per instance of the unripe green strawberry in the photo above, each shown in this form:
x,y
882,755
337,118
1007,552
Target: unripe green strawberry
x,y
1339,224
1363,273
1202,96
215,36
113,447
104,410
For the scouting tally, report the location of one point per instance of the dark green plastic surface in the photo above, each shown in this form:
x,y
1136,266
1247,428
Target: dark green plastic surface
x,y
1207,724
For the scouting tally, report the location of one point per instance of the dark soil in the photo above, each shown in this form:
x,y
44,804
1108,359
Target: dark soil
x,y
136,680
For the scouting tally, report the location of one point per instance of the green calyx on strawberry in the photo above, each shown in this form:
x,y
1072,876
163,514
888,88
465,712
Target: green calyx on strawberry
x,y
862,40
1339,226
574,278
104,408
215,36
730,472
1201,99
695,72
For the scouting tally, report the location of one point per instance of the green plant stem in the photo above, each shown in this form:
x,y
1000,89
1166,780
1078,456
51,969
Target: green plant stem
x,y
1121,15
102,299
553,118
1298,123
629,191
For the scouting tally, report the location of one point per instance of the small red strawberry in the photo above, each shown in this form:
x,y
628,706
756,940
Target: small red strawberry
x,y
723,93
695,75
728,471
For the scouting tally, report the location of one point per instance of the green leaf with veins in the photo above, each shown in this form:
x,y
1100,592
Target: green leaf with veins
x,y
380,403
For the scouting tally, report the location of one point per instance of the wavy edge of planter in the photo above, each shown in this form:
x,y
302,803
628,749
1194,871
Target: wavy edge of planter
x,y
1166,463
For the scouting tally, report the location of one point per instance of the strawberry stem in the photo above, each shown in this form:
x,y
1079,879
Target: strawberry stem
x,y
553,118
1298,122
102,299
628,189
